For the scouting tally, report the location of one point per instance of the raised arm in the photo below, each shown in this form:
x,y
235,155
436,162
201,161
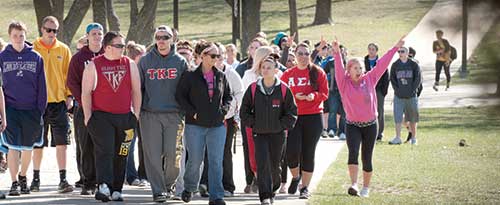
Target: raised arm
x,y
382,64
340,73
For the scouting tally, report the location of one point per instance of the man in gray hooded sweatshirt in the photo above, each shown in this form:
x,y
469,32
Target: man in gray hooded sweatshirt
x,y
161,122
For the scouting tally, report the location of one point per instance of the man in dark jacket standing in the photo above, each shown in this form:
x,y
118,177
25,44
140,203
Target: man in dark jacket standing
x,y
405,79
382,86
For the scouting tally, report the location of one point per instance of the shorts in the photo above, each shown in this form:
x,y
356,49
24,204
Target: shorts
x,y
406,106
24,130
57,119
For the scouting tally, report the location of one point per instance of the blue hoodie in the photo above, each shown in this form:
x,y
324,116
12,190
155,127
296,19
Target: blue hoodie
x,y
23,79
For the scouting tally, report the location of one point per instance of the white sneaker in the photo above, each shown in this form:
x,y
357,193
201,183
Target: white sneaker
x,y
396,140
413,141
102,193
117,196
331,134
342,136
365,192
353,190
228,193
266,202
136,182
324,134
144,183
282,188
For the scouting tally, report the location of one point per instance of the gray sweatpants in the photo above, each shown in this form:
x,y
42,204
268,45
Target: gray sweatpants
x,y
161,135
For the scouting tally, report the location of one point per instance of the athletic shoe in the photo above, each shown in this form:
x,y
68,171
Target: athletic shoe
x,y
331,134
2,195
186,196
255,187
282,188
117,196
103,193
293,186
217,202
14,189
177,197
435,87
413,141
408,138
136,182
266,202
228,193
353,190
365,192
304,193
87,190
248,189
24,185
203,190
342,136
143,183
324,134
160,198
79,184
395,141
35,185
64,187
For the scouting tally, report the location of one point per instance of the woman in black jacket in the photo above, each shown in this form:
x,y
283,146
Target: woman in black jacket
x,y
204,96
269,108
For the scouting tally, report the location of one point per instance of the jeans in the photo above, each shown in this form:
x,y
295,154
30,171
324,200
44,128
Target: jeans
x,y
335,105
197,138
130,171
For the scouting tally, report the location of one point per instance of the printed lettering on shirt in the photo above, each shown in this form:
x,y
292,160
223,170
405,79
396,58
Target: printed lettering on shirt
x,y
10,66
301,81
404,75
162,73
114,75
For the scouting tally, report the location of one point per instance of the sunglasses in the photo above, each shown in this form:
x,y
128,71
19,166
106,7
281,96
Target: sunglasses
x,y
303,54
49,30
184,53
213,56
118,45
401,51
165,38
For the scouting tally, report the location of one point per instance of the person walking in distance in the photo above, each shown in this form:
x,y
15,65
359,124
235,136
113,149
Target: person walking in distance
x,y
56,57
441,47
359,98
84,144
111,98
24,87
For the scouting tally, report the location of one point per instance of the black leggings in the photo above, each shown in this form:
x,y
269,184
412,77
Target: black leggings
x,y
364,136
439,67
302,141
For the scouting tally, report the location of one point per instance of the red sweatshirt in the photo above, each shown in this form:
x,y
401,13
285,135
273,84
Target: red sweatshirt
x,y
298,81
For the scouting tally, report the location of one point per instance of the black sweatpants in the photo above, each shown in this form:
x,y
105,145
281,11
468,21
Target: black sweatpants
x,y
249,176
284,165
112,135
85,146
364,136
439,67
141,170
302,141
268,150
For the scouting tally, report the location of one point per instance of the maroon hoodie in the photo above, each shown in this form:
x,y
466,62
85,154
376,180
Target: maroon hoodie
x,y
75,73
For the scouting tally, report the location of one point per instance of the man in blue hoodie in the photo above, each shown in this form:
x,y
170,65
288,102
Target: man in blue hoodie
x,y
25,92
162,124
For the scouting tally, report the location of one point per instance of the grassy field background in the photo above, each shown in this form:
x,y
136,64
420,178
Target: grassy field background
x,y
436,171
356,22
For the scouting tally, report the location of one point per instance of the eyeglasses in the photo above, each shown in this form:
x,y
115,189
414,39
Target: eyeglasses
x,y
401,51
303,54
49,30
184,53
118,45
165,38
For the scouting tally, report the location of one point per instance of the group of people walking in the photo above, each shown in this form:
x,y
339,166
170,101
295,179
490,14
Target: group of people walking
x,y
184,104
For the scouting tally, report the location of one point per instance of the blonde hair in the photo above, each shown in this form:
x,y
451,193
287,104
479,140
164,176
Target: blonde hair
x,y
260,56
133,49
357,60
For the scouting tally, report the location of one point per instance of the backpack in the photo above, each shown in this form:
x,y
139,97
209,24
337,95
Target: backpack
x,y
453,54
253,88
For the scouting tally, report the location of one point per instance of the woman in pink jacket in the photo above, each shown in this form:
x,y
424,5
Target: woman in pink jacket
x,y
359,98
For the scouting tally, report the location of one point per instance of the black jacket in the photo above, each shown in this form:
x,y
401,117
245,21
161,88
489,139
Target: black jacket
x,y
383,83
243,66
192,96
405,78
268,113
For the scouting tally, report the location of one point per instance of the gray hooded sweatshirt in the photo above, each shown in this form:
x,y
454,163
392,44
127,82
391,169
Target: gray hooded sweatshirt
x,y
159,78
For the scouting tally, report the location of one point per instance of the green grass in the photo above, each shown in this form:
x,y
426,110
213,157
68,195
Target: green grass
x,y
356,22
435,171
483,65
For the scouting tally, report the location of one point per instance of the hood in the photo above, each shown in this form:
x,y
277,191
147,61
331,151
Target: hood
x,y
260,83
27,48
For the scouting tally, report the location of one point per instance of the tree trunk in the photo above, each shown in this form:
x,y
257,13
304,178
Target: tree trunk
x,y
176,14
250,22
74,19
292,5
323,12
142,22
99,11
113,20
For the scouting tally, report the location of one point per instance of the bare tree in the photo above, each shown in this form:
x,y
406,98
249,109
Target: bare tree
x,y
292,6
142,21
69,24
99,11
323,13
113,20
250,22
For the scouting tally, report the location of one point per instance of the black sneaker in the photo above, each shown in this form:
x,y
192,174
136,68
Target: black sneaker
x,y
87,190
217,202
186,196
64,187
304,193
353,191
79,184
35,185
14,189
159,198
293,186
102,194
203,189
24,185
